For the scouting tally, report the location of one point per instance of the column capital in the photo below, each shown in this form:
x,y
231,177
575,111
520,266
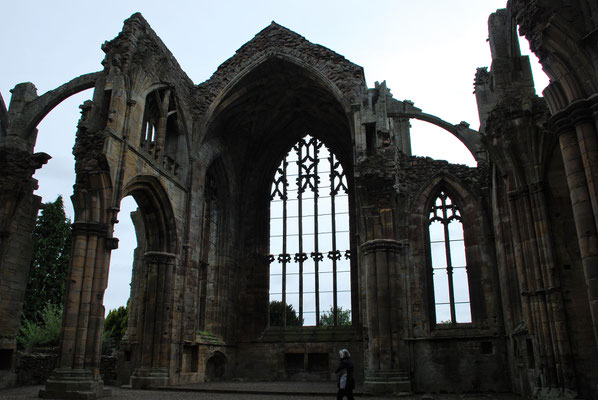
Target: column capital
x,y
577,113
580,112
521,191
159,257
94,228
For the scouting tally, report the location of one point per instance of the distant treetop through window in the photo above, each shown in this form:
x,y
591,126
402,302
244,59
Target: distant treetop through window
x,y
309,236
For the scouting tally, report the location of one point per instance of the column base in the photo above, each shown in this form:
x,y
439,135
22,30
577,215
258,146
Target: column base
x,y
8,379
386,381
146,378
71,383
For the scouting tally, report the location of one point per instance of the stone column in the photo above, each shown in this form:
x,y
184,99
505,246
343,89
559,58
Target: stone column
x,y
154,331
18,212
581,203
78,372
381,258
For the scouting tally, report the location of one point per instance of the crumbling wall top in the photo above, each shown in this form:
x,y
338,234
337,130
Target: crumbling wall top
x,y
278,41
137,46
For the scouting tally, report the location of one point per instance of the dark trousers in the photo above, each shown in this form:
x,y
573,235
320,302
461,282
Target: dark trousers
x,y
344,392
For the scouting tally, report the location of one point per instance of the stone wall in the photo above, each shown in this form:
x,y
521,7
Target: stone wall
x,y
34,368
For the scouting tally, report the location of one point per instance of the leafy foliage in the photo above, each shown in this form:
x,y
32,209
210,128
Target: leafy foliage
x,y
276,308
44,330
115,325
344,317
50,261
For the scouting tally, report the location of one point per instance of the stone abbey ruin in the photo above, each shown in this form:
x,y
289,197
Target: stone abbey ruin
x,y
284,179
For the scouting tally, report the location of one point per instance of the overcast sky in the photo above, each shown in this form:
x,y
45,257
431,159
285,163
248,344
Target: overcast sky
x,y
427,51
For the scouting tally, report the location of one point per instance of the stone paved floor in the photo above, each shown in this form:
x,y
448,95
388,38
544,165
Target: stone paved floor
x,y
250,391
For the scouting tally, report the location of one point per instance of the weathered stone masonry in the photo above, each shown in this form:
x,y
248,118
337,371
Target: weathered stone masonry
x,y
199,161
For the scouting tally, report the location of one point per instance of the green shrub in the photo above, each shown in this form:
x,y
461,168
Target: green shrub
x,y
46,332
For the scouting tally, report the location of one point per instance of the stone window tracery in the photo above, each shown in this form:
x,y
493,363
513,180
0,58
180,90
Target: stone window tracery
x,y
309,237
448,260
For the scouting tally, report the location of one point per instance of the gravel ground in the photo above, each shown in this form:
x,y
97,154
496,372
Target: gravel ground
x,y
31,392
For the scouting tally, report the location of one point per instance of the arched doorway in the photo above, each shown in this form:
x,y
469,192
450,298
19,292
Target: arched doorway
x,y
215,367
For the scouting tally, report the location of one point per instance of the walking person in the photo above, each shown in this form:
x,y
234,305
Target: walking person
x,y
345,381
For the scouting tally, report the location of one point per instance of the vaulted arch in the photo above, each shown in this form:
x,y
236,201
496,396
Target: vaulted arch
x,y
156,211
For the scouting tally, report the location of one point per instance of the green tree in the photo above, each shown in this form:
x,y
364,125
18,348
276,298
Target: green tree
x,y
50,260
115,326
276,308
344,317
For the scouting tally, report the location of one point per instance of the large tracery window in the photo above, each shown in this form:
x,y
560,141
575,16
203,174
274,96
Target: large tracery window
x,y
309,238
449,267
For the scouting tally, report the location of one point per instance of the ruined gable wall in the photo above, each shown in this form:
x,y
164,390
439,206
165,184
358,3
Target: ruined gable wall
x,y
277,41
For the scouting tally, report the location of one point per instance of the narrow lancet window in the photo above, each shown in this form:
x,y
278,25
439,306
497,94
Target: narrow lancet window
x,y
449,266
310,277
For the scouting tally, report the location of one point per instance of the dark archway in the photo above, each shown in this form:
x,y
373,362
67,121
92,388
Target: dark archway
x,y
255,123
215,367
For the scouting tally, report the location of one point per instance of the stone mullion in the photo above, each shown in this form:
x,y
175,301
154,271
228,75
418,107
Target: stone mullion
x,y
285,238
316,233
162,122
582,213
552,291
449,263
334,259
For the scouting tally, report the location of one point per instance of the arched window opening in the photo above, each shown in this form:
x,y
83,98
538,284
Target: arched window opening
x,y
310,278
449,266
160,133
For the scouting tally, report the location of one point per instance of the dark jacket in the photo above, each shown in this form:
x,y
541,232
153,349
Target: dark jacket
x,y
345,364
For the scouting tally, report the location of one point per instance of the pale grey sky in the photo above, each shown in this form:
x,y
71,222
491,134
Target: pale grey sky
x,y
427,51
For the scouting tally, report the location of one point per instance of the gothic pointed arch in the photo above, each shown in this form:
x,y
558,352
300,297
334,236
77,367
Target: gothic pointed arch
x,y
454,261
309,245
156,211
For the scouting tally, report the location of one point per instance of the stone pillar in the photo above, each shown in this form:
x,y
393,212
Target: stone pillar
x,y
154,331
581,198
78,373
381,259
18,212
